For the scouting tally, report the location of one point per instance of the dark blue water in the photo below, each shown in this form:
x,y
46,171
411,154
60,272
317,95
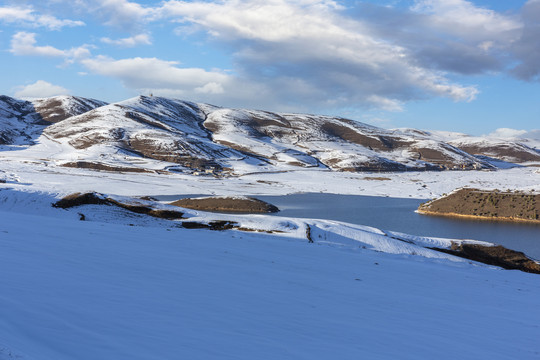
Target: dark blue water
x,y
399,215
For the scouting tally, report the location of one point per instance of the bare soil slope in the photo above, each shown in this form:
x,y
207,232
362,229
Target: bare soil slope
x,y
493,205
227,204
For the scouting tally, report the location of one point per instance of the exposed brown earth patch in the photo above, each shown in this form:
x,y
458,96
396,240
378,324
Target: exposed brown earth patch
x,y
53,110
492,205
494,255
516,153
92,198
444,161
227,205
78,199
218,225
384,143
150,148
104,167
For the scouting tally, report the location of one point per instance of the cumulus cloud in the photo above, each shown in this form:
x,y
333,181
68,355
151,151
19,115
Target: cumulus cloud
x,y
27,16
385,103
454,36
507,133
467,20
124,14
121,13
527,48
24,43
168,78
316,55
152,73
141,39
332,59
514,134
40,89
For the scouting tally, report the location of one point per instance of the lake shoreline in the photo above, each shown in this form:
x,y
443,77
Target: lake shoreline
x,y
495,205
476,217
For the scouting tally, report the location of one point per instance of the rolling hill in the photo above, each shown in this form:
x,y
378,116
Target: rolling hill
x,y
184,136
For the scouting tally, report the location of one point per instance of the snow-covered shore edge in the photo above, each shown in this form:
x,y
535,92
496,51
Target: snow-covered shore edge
x,y
146,212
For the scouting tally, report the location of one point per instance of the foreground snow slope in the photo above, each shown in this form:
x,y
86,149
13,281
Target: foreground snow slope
x,y
93,290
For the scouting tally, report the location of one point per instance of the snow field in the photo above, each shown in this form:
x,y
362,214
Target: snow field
x,y
95,290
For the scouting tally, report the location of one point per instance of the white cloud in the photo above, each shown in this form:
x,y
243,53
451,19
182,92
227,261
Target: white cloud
x,y
24,43
153,73
40,89
210,88
464,18
507,133
385,104
167,78
27,16
122,13
141,39
309,45
528,137
313,55
527,48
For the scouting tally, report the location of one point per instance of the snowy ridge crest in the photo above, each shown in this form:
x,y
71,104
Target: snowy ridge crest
x,y
160,133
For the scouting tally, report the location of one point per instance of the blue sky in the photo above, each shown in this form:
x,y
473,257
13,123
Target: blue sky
x,y
468,66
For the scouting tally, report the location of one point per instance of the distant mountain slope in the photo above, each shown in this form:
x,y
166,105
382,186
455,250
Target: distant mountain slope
x,y
156,128
23,121
338,143
515,149
58,108
506,150
198,136
17,118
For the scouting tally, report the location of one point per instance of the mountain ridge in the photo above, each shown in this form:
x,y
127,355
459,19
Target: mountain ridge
x,y
188,136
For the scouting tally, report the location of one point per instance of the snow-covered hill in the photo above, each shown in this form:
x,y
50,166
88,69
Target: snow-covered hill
x,y
22,122
200,136
155,133
338,143
58,108
501,149
521,148
145,127
19,123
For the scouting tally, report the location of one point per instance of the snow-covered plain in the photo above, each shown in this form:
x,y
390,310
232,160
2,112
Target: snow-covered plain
x,y
102,289
28,169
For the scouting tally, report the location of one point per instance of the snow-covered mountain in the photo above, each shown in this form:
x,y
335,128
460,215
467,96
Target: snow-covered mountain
x,y
501,149
58,108
18,121
182,135
338,143
512,146
155,128
21,121
197,136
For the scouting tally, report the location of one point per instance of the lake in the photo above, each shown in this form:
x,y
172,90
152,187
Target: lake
x,y
399,214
